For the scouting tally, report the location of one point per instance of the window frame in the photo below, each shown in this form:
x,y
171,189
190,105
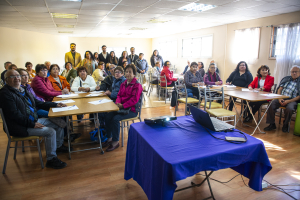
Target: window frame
x,y
271,45
200,56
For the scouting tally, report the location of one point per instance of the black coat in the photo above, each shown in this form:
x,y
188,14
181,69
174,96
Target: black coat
x,y
121,60
14,110
248,79
106,84
135,57
101,58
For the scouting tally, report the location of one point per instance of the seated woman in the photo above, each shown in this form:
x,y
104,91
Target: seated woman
x,y
201,68
69,72
83,82
124,64
241,77
155,72
262,82
128,98
169,75
98,74
30,71
212,77
193,78
217,69
42,85
119,79
24,83
58,82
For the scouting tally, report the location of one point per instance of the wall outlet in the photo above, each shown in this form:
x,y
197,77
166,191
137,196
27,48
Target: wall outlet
x,y
264,184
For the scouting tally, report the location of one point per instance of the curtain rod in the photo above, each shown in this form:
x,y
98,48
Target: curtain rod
x,y
281,24
247,28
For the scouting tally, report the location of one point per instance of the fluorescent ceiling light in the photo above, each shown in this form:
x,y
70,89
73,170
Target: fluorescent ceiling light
x,y
137,29
70,32
158,21
197,7
64,26
62,15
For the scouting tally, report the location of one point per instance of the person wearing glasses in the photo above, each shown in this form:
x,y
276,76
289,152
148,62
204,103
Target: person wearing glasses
x,y
212,77
106,84
42,85
169,75
288,86
119,79
193,78
58,82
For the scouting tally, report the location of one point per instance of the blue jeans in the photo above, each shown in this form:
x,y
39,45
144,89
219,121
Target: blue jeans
x,y
54,136
42,113
112,123
192,91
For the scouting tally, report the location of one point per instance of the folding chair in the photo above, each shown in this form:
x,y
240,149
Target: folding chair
x,y
181,92
138,117
16,140
166,88
217,94
151,85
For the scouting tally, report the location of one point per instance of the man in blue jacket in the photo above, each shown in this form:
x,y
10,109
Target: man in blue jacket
x,y
142,68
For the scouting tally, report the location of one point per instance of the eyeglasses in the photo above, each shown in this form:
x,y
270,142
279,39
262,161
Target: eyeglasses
x,y
24,76
212,68
12,77
295,72
118,72
168,64
44,70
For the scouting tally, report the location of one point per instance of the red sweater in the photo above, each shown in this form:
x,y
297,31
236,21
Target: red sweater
x,y
269,82
129,95
169,76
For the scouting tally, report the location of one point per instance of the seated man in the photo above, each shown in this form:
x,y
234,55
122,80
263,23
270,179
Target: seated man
x,y
20,109
289,86
106,84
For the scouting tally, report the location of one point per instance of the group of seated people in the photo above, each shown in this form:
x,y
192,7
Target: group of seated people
x,y
26,104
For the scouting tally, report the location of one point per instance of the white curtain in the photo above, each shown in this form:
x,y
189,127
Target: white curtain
x,y
246,45
287,50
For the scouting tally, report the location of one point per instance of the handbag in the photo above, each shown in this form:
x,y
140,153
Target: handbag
x,y
124,111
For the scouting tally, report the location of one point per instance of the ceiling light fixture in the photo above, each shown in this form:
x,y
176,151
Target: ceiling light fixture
x,y
65,16
197,7
69,32
64,26
158,21
137,29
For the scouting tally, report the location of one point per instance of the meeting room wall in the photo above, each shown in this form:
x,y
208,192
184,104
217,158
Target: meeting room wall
x,y
93,43
20,46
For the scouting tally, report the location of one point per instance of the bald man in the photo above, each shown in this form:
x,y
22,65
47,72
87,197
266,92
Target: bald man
x,y
48,65
19,108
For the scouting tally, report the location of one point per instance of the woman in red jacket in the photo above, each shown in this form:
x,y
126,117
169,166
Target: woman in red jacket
x,y
262,82
127,99
169,75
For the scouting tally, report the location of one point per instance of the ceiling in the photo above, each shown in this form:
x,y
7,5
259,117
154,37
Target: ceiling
x,y
114,18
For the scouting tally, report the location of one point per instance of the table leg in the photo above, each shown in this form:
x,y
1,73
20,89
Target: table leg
x,y
97,125
241,114
68,133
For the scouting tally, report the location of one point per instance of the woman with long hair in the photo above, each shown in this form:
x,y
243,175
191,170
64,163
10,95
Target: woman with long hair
x,y
112,58
156,58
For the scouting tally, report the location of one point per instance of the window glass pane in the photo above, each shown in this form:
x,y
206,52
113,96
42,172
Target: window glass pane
x,y
206,47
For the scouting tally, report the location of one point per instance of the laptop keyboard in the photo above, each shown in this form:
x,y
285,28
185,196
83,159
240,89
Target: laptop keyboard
x,y
220,125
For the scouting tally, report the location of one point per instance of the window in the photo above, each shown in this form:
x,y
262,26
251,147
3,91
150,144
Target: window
x,y
118,50
197,47
168,49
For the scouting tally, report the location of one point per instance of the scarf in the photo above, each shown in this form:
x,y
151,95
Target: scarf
x,y
211,76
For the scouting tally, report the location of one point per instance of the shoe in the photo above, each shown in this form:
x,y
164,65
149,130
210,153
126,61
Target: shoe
x,y
111,147
55,163
72,137
63,149
106,144
285,128
248,119
270,127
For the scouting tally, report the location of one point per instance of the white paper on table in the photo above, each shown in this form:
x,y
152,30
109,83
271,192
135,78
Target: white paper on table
x,y
79,92
74,107
245,89
100,101
94,95
271,95
229,85
65,101
96,92
67,95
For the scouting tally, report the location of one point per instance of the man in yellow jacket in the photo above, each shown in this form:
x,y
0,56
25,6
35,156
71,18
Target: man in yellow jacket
x,y
73,57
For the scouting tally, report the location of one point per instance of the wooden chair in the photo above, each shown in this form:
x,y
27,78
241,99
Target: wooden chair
x,y
165,88
217,94
16,140
181,92
138,117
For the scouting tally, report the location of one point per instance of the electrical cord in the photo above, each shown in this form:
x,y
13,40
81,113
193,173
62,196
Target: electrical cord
x,y
234,142
280,189
220,181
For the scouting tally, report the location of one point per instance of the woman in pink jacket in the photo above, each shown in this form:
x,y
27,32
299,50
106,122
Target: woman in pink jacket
x,y
127,99
42,86
169,75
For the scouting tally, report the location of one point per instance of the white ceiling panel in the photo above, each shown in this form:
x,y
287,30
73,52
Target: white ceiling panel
x,y
223,10
120,14
8,14
39,19
36,14
148,16
287,9
215,2
137,3
35,3
93,12
115,19
270,7
6,8
102,1
181,13
170,4
246,4
63,10
31,9
97,6
132,9
153,10
63,4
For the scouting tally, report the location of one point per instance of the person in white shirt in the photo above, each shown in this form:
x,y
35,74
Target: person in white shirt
x,y
83,82
98,74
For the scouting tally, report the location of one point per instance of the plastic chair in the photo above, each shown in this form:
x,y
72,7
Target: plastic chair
x,y
16,140
216,94
138,117
166,88
181,91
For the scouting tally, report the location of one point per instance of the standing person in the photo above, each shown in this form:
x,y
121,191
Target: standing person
x,y
113,59
240,77
69,72
119,79
98,74
212,77
156,58
193,78
104,56
201,68
48,64
73,57
96,58
169,75
262,82
128,98
124,57
58,82
133,57
142,68
31,72
6,65
88,62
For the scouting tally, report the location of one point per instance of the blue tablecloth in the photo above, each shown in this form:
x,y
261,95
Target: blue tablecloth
x,y
158,156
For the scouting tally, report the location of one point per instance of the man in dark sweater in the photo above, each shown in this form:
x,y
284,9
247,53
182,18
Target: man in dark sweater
x,y
106,84
19,108
6,65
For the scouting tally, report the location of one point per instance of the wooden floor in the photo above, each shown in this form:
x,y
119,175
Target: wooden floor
x,y
90,175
